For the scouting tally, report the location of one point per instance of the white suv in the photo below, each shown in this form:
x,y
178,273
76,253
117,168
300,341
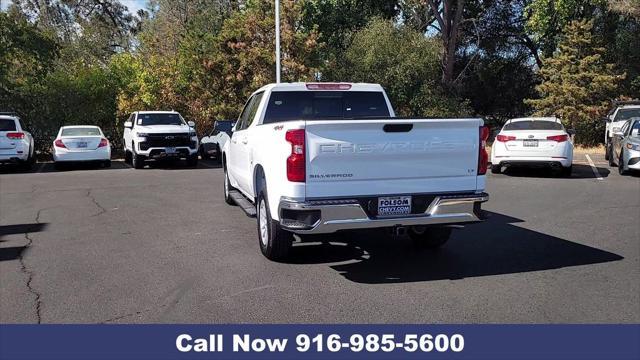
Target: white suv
x,y
16,144
621,113
159,135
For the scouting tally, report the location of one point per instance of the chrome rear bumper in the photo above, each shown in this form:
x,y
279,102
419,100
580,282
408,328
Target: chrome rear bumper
x,y
327,216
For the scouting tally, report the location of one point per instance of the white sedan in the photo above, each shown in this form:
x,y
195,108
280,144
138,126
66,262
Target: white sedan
x,y
81,144
534,141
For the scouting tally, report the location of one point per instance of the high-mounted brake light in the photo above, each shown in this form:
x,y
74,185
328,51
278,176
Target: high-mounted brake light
x,y
328,86
505,138
15,135
558,138
103,142
60,144
483,157
296,171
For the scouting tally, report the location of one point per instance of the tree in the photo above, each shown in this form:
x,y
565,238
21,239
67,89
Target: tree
x,y
406,64
577,84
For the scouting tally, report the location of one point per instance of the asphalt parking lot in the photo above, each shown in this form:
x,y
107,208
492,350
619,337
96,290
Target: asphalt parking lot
x,y
160,245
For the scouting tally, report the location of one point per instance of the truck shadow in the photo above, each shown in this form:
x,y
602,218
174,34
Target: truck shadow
x,y
580,171
15,252
494,247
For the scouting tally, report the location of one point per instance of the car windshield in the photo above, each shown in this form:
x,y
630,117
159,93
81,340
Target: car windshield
x,y
224,126
533,125
160,119
626,114
88,131
328,105
7,125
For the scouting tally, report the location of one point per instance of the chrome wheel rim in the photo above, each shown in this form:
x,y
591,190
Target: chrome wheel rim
x,y
262,219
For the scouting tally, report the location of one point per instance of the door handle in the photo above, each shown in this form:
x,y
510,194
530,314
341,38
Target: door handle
x,y
245,141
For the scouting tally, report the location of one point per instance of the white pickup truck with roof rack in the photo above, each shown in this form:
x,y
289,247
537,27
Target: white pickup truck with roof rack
x,y
314,158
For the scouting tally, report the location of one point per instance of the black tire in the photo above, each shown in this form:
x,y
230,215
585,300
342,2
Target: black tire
x,y
58,166
227,188
496,169
621,169
137,161
218,154
203,154
612,163
607,150
192,160
566,171
107,164
127,156
275,243
430,237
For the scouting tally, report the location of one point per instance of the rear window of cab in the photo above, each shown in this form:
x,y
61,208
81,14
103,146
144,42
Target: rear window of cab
x,y
533,125
324,105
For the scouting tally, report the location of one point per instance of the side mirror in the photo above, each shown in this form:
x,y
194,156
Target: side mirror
x,y
233,127
191,124
128,124
571,132
606,119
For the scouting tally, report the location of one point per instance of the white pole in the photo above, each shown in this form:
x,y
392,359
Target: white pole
x,y
277,41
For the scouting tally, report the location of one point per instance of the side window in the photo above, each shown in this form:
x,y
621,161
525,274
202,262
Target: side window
x,y
254,109
244,115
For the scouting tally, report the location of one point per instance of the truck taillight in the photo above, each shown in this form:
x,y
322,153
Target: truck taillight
x,y
483,157
15,135
60,144
103,142
296,170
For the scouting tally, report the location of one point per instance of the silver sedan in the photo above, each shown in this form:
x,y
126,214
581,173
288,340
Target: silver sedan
x,y
626,147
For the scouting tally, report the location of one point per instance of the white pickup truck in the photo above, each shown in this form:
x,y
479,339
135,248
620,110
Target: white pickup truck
x,y
313,158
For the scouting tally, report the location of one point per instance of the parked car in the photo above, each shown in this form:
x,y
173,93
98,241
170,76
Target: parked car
x,y
312,158
625,149
533,142
159,135
82,143
211,145
620,113
16,144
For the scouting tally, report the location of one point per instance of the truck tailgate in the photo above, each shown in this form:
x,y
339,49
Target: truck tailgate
x,y
391,156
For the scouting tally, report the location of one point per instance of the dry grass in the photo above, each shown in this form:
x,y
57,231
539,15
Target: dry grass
x,y
589,149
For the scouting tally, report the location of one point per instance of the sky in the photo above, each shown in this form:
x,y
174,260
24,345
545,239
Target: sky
x,y
133,5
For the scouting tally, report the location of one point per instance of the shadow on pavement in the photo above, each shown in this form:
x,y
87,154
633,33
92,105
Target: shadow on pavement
x,y
15,252
115,165
580,171
494,247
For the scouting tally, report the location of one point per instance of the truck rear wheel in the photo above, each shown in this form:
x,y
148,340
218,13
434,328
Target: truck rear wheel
x,y
607,149
275,243
430,237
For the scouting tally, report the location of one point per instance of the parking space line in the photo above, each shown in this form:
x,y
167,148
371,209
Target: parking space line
x,y
594,168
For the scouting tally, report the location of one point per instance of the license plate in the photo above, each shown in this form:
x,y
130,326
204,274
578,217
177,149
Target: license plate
x,y
170,150
530,143
394,205
81,144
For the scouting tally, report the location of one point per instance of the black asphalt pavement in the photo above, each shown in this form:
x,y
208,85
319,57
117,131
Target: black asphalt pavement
x,y
159,245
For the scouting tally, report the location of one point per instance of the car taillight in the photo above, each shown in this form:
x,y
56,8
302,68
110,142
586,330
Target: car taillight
x,y
505,138
103,142
296,171
15,135
558,138
60,144
483,157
